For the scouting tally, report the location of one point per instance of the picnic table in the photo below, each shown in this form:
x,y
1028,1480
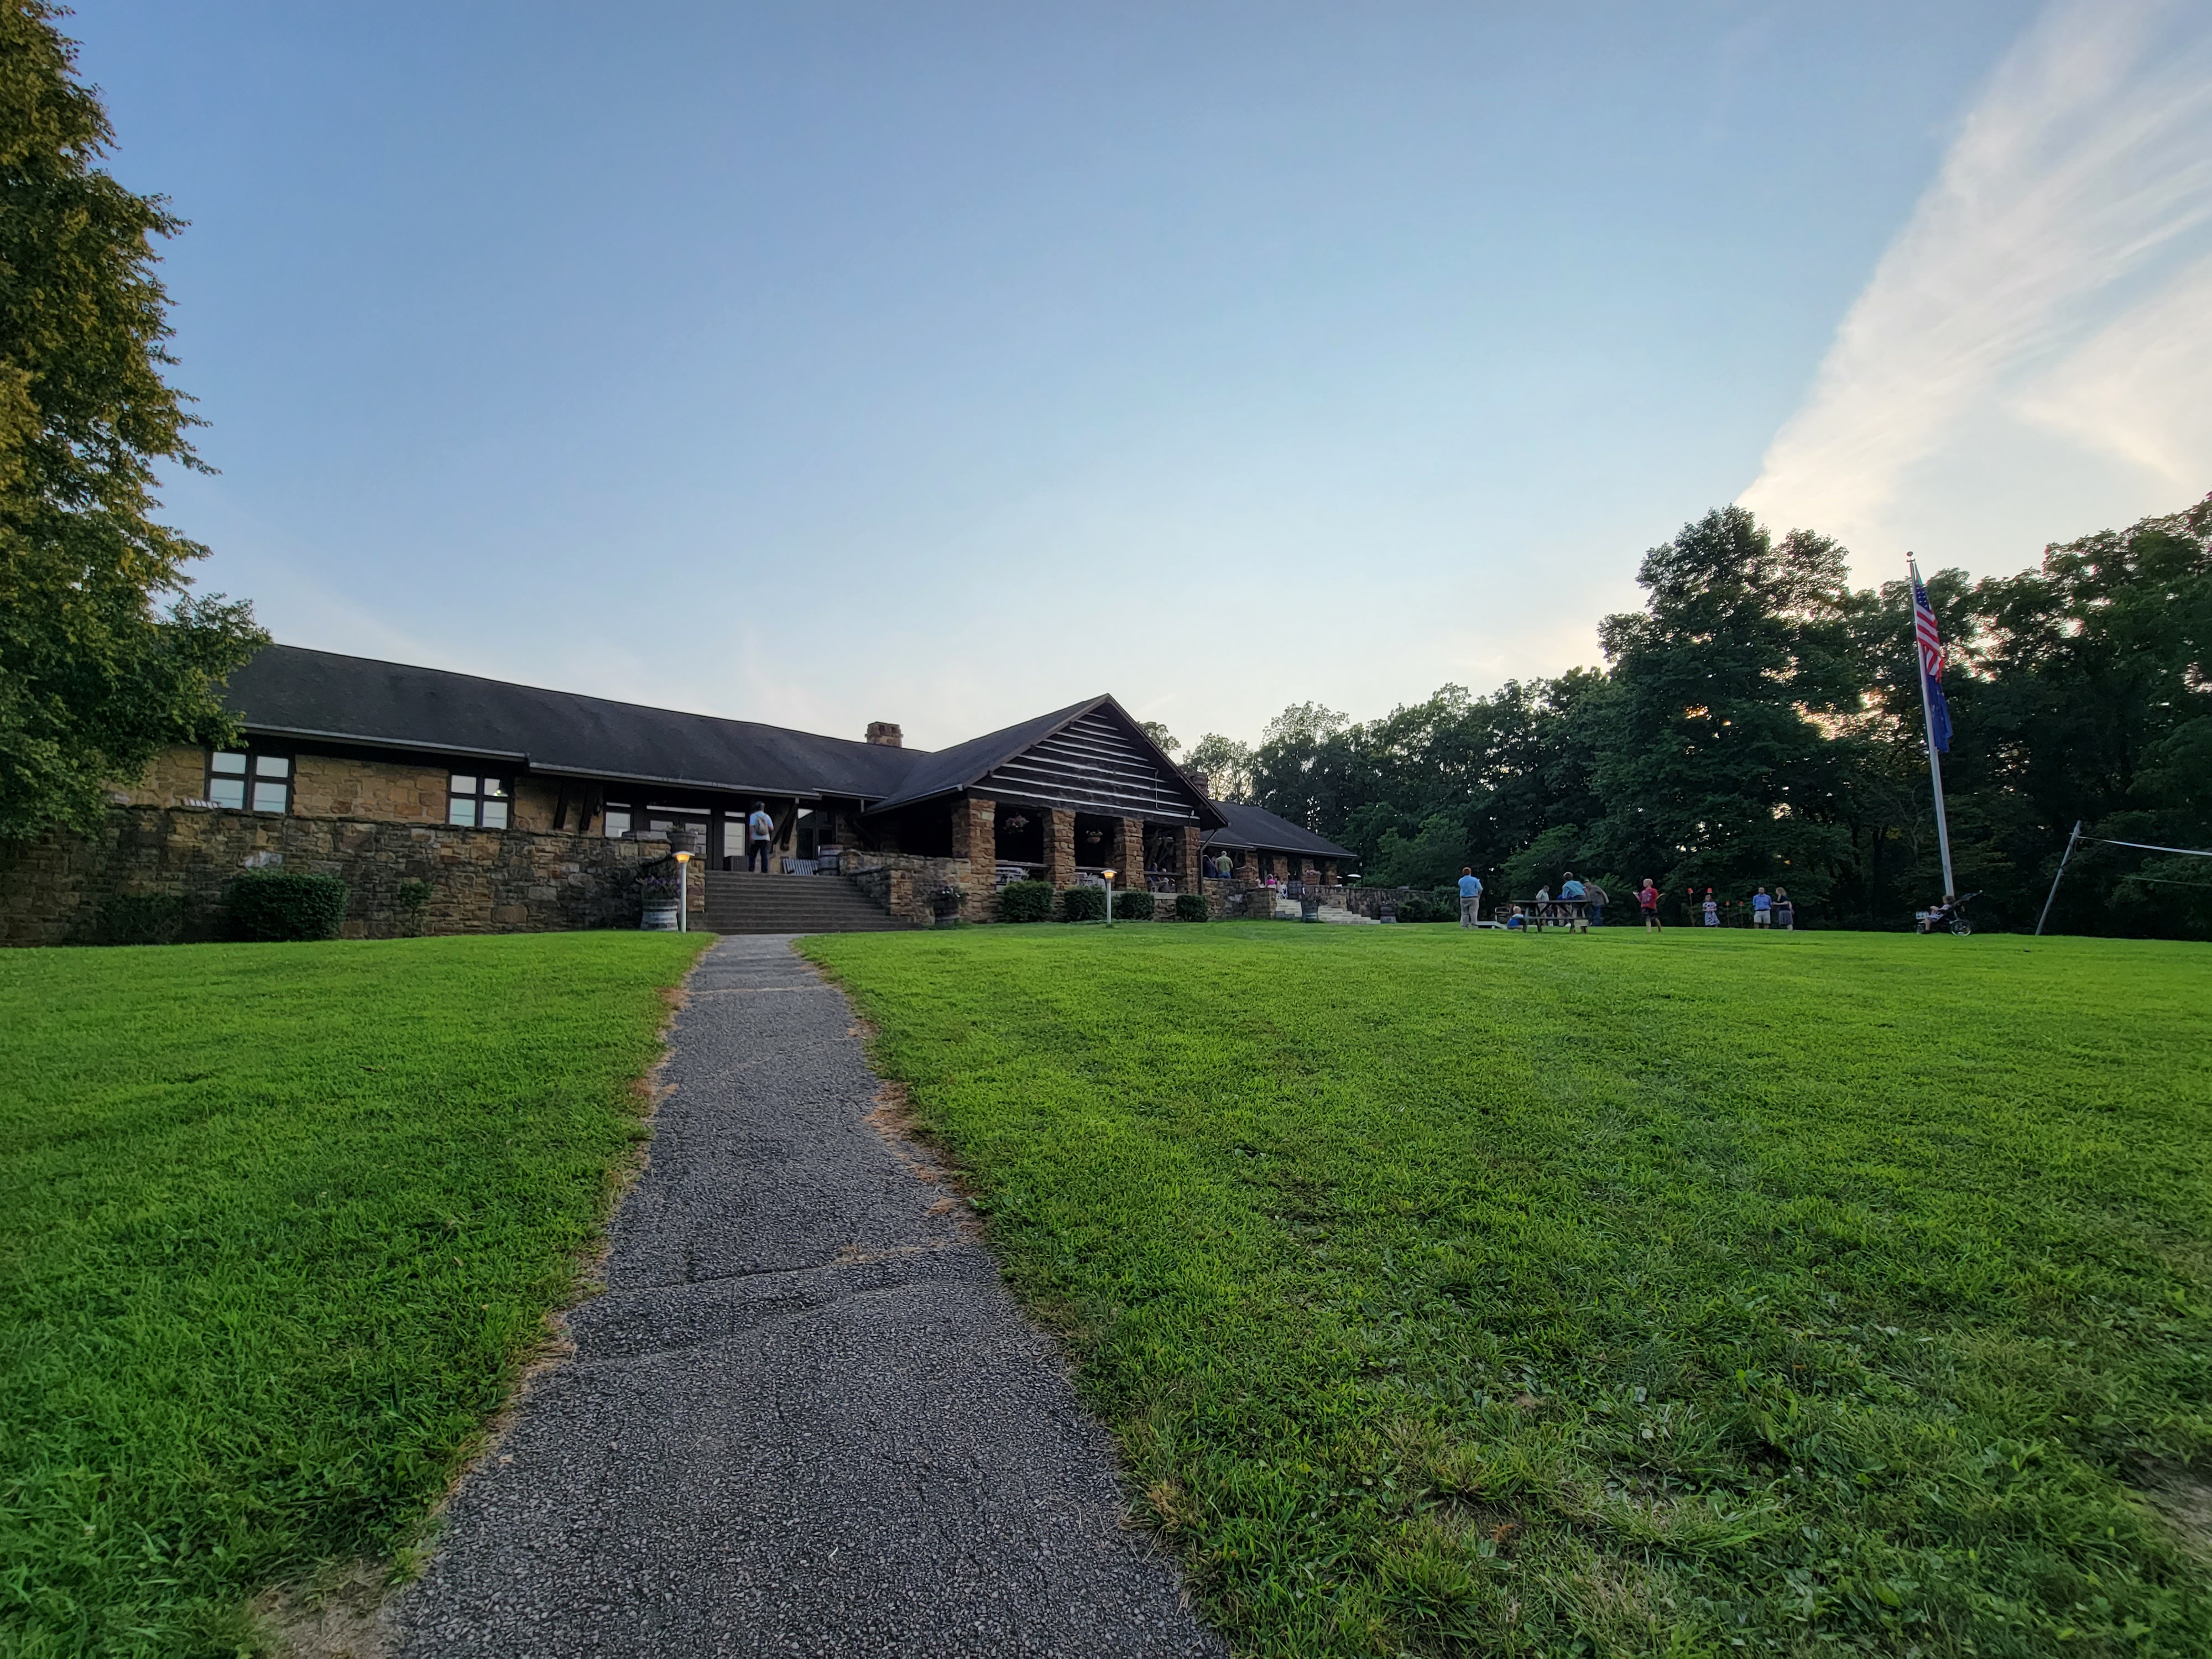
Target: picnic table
x,y
1539,913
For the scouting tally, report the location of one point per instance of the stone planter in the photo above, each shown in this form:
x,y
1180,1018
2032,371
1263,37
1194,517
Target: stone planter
x,y
659,918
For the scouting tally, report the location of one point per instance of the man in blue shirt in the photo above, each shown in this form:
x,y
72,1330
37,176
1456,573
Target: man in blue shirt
x,y
1761,908
1470,897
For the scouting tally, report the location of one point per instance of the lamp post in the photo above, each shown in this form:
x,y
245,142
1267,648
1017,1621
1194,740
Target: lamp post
x,y
1109,874
683,892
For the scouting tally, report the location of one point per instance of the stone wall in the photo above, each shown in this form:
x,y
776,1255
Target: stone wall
x,y
178,774
482,881
345,786
906,883
1372,901
400,791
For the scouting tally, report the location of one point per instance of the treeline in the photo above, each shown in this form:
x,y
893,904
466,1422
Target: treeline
x,y
1758,722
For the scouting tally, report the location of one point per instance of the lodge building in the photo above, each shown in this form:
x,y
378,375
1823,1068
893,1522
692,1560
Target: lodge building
x,y
369,750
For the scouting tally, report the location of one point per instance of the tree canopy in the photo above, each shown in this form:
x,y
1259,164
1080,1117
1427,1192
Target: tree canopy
x,y
94,676
1758,723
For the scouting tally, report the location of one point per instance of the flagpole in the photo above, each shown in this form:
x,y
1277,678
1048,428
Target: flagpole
x,y
1934,761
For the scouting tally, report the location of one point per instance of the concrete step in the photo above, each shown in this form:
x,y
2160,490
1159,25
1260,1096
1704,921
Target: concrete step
x,y
748,901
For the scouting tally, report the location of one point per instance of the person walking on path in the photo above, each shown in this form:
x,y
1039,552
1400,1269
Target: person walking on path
x,y
1595,895
1647,900
1760,906
1470,897
1785,913
1712,909
760,828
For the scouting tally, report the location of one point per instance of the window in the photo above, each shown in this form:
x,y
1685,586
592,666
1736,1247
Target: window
x,y
617,824
476,803
235,780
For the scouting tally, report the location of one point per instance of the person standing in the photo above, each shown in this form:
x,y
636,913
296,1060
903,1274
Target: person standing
x,y
1712,909
760,835
1761,905
1647,900
1785,913
1595,895
1470,897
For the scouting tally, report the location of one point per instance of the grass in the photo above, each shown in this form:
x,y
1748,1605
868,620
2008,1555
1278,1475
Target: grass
x,y
279,1226
1696,1294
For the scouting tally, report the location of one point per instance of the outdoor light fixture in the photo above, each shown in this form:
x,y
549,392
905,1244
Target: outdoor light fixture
x,y
683,892
1109,874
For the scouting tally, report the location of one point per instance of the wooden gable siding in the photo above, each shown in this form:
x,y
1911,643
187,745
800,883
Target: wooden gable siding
x,y
1093,766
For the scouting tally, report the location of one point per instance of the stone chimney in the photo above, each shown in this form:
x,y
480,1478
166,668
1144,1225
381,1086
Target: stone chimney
x,y
1204,784
885,732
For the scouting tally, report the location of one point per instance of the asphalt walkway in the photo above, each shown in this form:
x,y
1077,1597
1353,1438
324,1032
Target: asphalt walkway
x,y
805,1417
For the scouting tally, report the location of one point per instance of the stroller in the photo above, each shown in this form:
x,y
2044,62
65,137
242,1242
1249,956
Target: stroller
x,y
1950,914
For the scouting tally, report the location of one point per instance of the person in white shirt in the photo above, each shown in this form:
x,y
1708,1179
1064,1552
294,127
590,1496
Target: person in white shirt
x,y
760,831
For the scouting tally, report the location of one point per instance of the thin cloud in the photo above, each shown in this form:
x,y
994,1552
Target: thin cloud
x,y
2140,387
2088,157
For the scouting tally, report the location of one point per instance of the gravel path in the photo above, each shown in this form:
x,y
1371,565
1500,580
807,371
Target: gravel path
x,y
804,1417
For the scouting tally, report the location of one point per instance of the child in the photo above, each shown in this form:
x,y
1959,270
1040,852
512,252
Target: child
x,y
1647,898
1712,909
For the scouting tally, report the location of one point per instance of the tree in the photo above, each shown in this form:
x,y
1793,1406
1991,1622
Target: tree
x,y
1226,765
1158,733
1717,771
93,678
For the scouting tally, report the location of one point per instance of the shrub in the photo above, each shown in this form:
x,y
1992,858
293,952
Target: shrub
x,y
277,904
1135,905
1414,907
138,919
413,898
1025,901
1083,904
1192,907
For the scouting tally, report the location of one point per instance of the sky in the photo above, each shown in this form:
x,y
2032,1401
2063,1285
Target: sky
x,y
946,363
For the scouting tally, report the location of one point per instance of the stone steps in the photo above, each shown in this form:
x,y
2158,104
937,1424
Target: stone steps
x,y
747,902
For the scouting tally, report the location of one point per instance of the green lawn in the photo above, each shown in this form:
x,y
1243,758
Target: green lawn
x,y
1698,1293
279,1224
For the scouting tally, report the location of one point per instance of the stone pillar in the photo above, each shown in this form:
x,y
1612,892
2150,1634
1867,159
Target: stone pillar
x,y
975,838
1060,846
1130,854
1246,867
1328,873
1191,853
1309,871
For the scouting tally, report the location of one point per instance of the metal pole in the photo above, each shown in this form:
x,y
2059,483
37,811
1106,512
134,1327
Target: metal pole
x,y
1934,761
2053,894
1109,901
684,895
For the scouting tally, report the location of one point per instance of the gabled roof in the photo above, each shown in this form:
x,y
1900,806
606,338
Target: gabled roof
x,y
287,690
1256,828
968,764
948,771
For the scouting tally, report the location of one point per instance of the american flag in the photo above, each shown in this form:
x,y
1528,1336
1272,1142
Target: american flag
x,y
1931,663
1923,630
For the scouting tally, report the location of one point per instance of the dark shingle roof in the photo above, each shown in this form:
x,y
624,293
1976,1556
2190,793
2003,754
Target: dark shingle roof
x,y
966,764
947,771
289,691
1255,827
